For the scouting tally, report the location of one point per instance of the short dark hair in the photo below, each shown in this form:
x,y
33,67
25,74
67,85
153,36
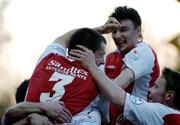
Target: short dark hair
x,y
21,91
88,38
173,83
122,13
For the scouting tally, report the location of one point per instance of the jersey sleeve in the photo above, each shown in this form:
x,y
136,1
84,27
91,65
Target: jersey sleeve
x,y
53,48
139,112
140,60
132,109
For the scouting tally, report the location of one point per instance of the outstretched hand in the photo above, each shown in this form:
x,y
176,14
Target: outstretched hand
x,y
84,55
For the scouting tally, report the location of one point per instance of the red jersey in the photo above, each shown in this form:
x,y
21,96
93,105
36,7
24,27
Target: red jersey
x,y
142,60
59,78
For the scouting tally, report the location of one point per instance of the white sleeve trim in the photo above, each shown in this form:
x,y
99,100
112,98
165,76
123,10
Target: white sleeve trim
x,y
53,48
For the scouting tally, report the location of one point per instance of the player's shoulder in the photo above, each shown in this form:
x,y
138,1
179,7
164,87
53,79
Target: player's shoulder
x,y
142,46
164,110
141,50
58,47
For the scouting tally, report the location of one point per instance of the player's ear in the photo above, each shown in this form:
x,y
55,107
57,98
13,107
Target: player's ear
x,y
139,31
170,95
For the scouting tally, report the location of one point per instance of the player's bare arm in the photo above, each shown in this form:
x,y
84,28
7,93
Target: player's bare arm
x,y
54,110
64,39
87,59
34,119
125,78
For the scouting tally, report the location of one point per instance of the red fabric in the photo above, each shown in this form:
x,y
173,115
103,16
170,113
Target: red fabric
x,y
115,59
78,94
172,119
156,71
113,67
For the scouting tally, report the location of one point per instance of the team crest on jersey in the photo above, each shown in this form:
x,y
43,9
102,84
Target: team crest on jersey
x,y
136,100
133,54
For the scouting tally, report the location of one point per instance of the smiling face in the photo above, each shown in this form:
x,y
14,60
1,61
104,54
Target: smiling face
x,y
126,36
157,92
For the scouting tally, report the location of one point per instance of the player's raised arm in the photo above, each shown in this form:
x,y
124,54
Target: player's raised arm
x,y
64,39
111,25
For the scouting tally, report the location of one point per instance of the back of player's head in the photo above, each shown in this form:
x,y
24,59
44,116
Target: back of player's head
x,y
123,13
88,38
21,91
173,84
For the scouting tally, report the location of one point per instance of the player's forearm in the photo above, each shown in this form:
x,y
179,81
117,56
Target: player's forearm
x,y
64,39
114,93
100,29
125,78
21,110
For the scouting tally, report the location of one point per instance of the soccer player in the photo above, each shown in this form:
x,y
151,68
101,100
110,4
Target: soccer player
x,y
165,92
134,65
58,78
25,113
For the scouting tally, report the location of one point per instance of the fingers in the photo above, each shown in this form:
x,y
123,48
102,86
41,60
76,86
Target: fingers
x,y
61,103
67,115
79,53
84,48
73,57
113,26
64,118
67,112
75,54
112,23
113,20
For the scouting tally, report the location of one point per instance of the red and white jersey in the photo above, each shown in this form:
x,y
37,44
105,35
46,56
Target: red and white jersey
x,y
142,60
141,112
58,78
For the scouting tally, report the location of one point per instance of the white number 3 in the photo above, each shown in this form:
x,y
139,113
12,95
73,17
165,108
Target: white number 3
x,y
58,87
